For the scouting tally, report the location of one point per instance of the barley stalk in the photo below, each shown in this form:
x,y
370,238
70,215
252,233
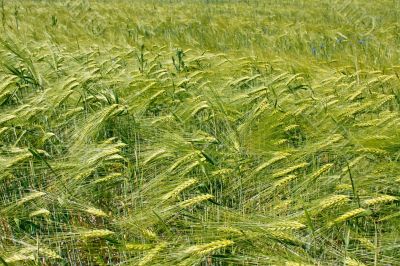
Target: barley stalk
x,y
384,199
195,200
210,247
137,246
284,181
40,212
151,254
321,171
30,197
275,159
95,233
290,169
174,193
95,212
332,201
349,215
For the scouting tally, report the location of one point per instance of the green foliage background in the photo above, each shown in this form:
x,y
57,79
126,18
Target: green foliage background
x,y
199,132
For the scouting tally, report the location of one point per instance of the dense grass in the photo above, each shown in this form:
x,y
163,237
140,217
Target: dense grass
x,y
199,132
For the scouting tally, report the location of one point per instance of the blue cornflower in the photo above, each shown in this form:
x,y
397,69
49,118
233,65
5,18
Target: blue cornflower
x,y
313,50
362,41
340,39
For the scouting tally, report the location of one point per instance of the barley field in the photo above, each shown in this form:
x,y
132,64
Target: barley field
x,y
200,132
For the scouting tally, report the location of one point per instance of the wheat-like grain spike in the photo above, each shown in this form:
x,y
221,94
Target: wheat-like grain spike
x,y
349,215
195,200
208,248
380,200
290,169
174,193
